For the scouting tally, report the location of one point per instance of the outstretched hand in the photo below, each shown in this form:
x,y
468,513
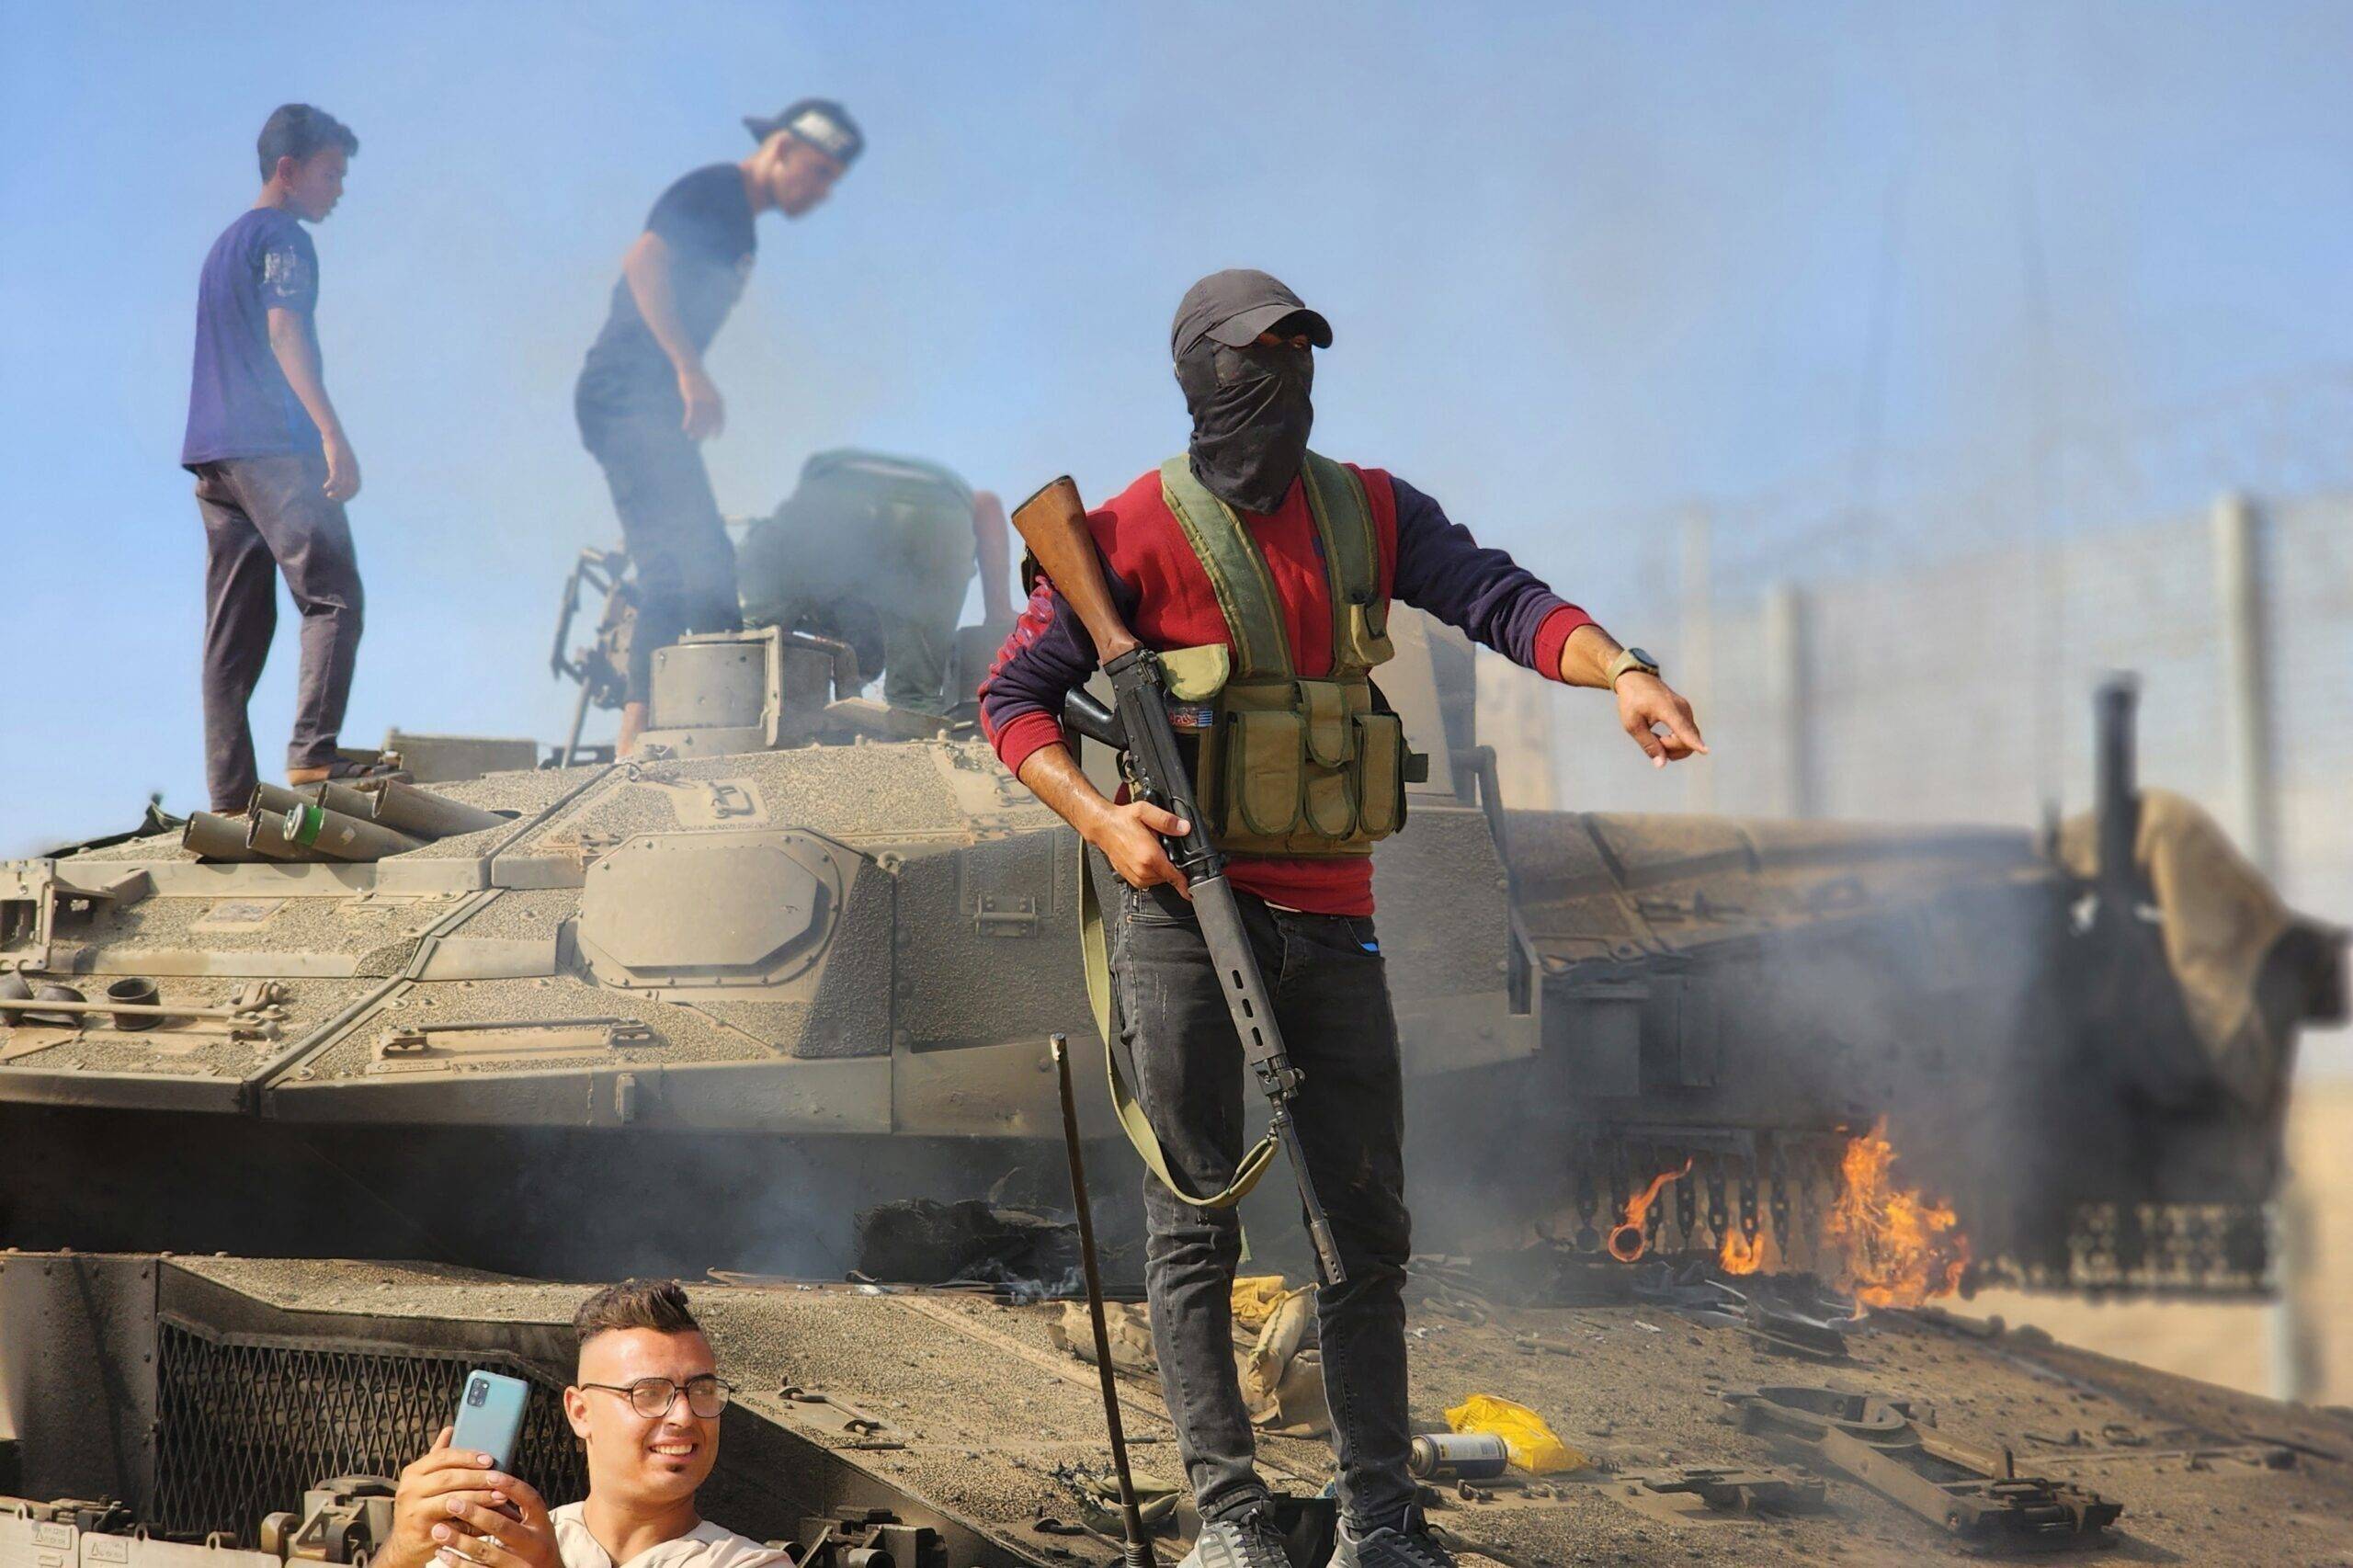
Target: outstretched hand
x,y
1658,718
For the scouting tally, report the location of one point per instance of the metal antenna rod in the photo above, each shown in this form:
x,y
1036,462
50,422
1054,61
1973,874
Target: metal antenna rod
x,y
1137,1552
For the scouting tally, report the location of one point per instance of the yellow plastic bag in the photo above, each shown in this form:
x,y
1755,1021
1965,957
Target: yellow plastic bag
x,y
1256,1297
1532,1445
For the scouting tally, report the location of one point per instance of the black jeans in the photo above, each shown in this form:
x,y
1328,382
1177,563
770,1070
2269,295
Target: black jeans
x,y
265,516
686,566
1325,977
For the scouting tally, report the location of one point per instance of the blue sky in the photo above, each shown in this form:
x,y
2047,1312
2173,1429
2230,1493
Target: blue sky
x,y
1582,261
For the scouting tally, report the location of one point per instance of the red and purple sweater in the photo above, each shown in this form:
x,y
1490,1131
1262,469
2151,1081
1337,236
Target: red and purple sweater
x,y
1161,588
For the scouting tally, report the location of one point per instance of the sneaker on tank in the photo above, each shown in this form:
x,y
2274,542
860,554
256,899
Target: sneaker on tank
x,y
1386,1547
1246,1542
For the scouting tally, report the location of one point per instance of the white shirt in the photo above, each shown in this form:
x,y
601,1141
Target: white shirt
x,y
704,1546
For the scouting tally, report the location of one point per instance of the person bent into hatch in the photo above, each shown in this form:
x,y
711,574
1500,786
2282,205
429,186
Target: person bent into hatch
x,y
1281,563
646,1408
876,550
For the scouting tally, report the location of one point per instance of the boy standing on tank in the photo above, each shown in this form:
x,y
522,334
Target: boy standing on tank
x,y
273,466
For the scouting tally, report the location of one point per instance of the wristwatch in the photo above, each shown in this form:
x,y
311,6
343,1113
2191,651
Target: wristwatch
x,y
1628,659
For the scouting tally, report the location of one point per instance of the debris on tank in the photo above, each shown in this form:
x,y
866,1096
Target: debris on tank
x,y
1529,1439
1129,1327
921,1241
1973,1491
1280,1370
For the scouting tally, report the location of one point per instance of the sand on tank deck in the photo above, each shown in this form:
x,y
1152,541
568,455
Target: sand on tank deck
x,y
912,792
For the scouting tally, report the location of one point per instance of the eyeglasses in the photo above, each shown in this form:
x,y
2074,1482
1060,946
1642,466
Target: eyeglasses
x,y
652,1397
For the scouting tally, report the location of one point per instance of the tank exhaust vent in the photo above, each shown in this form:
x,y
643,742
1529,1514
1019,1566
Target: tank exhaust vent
x,y
244,1423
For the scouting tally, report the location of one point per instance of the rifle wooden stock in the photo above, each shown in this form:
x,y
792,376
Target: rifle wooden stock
x,y
1053,525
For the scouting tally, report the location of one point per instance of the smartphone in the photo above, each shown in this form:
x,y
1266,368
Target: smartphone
x,y
490,1416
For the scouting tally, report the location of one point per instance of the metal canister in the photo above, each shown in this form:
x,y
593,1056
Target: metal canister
x,y
55,993
341,837
140,991
1465,1456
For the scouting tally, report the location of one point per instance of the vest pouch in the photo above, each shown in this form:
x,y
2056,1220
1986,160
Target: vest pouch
x,y
1196,675
1325,706
1364,635
1326,795
1263,752
1379,773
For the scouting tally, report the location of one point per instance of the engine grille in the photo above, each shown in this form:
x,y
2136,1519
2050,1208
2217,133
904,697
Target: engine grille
x,y
246,1424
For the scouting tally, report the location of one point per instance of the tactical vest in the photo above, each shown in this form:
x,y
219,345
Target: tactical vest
x,y
1285,764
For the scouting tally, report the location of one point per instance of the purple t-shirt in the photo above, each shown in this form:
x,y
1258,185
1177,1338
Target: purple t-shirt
x,y
239,402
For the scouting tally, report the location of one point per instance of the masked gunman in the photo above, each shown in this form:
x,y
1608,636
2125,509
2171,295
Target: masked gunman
x,y
273,467
877,551
1283,563
644,400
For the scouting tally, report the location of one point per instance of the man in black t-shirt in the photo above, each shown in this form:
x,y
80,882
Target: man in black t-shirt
x,y
645,399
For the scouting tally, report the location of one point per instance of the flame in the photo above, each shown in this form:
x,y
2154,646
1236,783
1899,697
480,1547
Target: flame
x,y
1739,1257
1627,1243
1897,1249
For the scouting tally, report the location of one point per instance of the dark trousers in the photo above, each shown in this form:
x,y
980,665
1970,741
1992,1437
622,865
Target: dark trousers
x,y
263,517
1325,978
686,567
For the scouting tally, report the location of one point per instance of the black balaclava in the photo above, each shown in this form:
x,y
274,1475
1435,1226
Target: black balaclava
x,y
1250,415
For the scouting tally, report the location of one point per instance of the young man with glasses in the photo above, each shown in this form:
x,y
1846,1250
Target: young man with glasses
x,y
646,1406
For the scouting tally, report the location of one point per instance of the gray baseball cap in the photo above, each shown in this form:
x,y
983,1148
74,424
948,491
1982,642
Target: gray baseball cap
x,y
1235,306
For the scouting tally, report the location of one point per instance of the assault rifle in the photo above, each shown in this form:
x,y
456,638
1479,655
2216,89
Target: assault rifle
x,y
1053,525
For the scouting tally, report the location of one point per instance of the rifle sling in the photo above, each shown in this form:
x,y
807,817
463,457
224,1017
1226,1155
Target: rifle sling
x,y
1094,943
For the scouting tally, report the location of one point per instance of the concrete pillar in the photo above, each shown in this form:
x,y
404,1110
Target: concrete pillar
x,y
2252,811
1783,630
1696,677
1515,718
2295,1346
2252,815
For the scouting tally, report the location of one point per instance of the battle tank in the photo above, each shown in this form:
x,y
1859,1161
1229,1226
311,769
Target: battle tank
x,y
801,956
701,1010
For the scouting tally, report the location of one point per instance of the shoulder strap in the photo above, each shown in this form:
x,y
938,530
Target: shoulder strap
x,y
1237,574
1351,552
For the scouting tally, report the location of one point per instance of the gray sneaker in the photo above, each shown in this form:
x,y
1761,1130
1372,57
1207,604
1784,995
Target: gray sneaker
x,y
1246,1542
1386,1547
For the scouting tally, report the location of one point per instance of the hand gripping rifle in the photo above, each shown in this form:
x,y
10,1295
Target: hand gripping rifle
x,y
1053,525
